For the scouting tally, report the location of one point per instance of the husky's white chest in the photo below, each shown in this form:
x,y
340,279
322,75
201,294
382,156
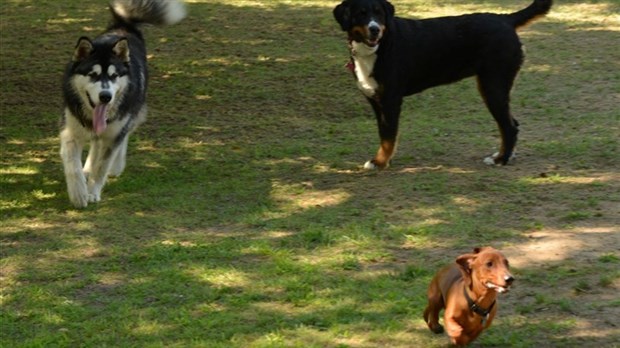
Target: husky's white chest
x,y
364,58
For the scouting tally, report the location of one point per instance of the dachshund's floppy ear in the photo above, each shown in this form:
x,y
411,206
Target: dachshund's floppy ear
x,y
464,262
342,13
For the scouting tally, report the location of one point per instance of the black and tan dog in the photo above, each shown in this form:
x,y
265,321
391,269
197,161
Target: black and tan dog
x,y
393,57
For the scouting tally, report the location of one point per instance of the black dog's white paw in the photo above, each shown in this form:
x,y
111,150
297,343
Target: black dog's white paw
x,y
491,159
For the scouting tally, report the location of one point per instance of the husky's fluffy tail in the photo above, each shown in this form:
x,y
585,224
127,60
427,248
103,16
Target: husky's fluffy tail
x,y
537,9
158,12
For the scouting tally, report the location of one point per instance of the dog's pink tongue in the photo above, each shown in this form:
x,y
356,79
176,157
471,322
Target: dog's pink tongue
x,y
99,119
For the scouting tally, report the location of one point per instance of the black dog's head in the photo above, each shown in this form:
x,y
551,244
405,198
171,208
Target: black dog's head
x,y
365,20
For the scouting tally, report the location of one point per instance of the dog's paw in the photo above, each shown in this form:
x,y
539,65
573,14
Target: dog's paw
x,y
94,192
78,195
77,189
94,198
370,165
494,159
491,160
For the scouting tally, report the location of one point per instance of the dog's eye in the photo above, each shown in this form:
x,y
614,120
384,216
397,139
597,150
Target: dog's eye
x,y
113,77
93,75
490,264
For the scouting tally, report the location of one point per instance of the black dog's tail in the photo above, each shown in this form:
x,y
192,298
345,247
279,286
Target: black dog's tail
x,y
130,13
537,9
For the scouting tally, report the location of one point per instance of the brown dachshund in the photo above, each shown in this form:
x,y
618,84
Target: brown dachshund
x,y
467,290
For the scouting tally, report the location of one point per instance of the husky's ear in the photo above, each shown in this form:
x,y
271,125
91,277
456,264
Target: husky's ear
x,y
83,49
464,262
342,13
121,49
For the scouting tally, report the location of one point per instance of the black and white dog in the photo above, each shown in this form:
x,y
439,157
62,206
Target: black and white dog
x,y
105,95
393,57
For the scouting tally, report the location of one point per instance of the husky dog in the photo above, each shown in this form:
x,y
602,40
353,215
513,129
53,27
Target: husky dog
x,y
105,95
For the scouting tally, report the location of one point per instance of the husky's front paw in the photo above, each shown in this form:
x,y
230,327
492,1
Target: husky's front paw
x,y
94,193
78,194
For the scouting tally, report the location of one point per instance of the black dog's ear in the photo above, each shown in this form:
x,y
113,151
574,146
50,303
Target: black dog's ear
x,y
342,13
389,11
83,49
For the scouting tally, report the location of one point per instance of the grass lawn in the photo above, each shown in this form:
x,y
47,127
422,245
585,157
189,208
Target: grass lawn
x,y
244,218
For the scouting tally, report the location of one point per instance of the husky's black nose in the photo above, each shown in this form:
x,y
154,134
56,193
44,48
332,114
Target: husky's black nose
x,y
105,97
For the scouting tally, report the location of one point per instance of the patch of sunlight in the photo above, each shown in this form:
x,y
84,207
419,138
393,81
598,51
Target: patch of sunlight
x,y
5,205
86,28
137,280
52,318
218,61
146,145
111,278
19,171
455,170
321,168
9,277
262,58
303,196
417,241
68,20
276,234
183,244
602,14
607,229
20,225
466,204
40,195
588,329
150,328
152,164
555,245
189,143
559,179
203,97
210,307
544,68
269,4
221,278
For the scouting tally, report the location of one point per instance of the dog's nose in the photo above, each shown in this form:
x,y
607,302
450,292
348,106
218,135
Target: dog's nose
x,y
374,30
105,97
509,279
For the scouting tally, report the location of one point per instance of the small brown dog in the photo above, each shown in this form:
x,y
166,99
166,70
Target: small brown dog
x,y
467,290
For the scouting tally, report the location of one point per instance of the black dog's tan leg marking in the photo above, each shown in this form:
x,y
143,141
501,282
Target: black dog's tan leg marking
x,y
387,113
383,156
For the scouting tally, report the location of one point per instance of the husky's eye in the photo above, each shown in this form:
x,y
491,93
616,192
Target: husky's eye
x,y
113,76
93,75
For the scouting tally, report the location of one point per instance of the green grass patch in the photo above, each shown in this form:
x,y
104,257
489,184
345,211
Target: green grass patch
x,y
244,219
